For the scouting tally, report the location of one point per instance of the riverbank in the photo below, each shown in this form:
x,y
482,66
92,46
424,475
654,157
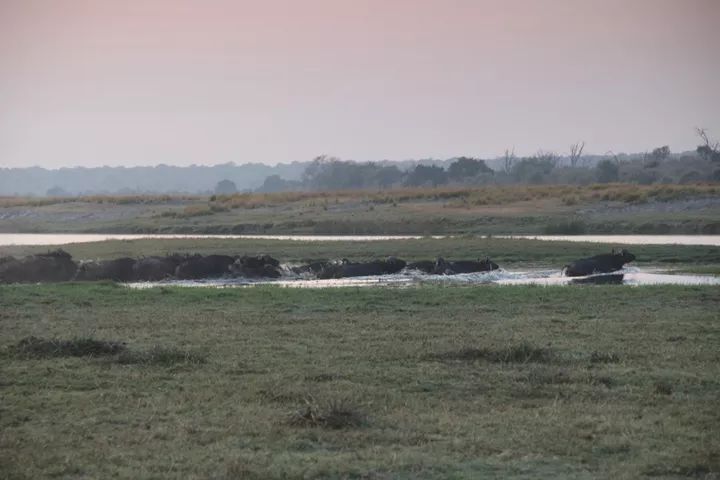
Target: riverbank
x,y
432,383
521,210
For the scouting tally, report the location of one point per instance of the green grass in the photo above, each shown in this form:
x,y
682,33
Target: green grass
x,y
587,382
707,269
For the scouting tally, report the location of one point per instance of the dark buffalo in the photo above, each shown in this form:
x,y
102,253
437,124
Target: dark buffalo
x,y
261,266
198,266
349,269
311,268
56,266
153,269
605,263
119,270
444,267
425,266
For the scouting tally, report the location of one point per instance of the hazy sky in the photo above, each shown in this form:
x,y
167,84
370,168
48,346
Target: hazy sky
x,y
110,82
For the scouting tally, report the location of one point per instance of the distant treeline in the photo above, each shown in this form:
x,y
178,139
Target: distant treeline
x,y
659,166
139,180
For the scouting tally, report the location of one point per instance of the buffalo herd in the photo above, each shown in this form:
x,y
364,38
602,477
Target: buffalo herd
x,y
58,266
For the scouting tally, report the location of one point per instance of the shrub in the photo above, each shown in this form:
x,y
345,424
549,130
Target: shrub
x,y
161,356
335,414
521,353
604,357
35,347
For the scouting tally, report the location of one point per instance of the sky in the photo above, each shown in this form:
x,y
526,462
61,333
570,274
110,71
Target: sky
x,y
180,82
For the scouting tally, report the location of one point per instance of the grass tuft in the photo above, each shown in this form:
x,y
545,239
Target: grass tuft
x,y
604,380
335,414
543,376
604,357
161,356
520,353
34,347
663,388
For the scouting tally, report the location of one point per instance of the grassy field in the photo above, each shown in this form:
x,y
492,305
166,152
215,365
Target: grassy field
x,y
429,382
606,208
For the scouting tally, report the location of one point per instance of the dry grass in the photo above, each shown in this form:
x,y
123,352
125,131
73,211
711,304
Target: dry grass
x,y
159,355
98,199
196,211
459,195
332,414
520,353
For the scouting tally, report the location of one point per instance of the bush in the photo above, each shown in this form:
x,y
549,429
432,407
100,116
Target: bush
x,y
335,414
34,347
521,353
161,356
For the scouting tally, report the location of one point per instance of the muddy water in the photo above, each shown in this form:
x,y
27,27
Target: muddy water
x,y
629,276
65,239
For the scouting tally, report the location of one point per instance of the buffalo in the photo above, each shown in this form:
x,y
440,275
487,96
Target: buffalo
x,y
152,269
444,267
199,266
311,268
349,269
261,266
56,266
425,266
605,263
119,270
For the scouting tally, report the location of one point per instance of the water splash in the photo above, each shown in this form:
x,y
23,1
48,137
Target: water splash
x,y
408,278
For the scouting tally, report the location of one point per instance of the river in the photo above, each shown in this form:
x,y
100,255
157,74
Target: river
x,y
69,238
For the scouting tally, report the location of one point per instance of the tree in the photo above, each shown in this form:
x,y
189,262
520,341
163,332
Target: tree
x,y
387,176
466,167
427,175
547,157
508,160
534,169
709,150
225,187
607,171
57,192
576,150
660,153
275,183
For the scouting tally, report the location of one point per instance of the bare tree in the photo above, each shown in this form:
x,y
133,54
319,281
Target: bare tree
x,y
576,150
508,159
550,157
711,149
702,133
614,155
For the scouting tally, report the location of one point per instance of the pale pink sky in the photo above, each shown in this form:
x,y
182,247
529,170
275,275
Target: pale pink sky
x,y
108,82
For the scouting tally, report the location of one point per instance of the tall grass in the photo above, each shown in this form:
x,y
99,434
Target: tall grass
x,y
458,195
486,195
